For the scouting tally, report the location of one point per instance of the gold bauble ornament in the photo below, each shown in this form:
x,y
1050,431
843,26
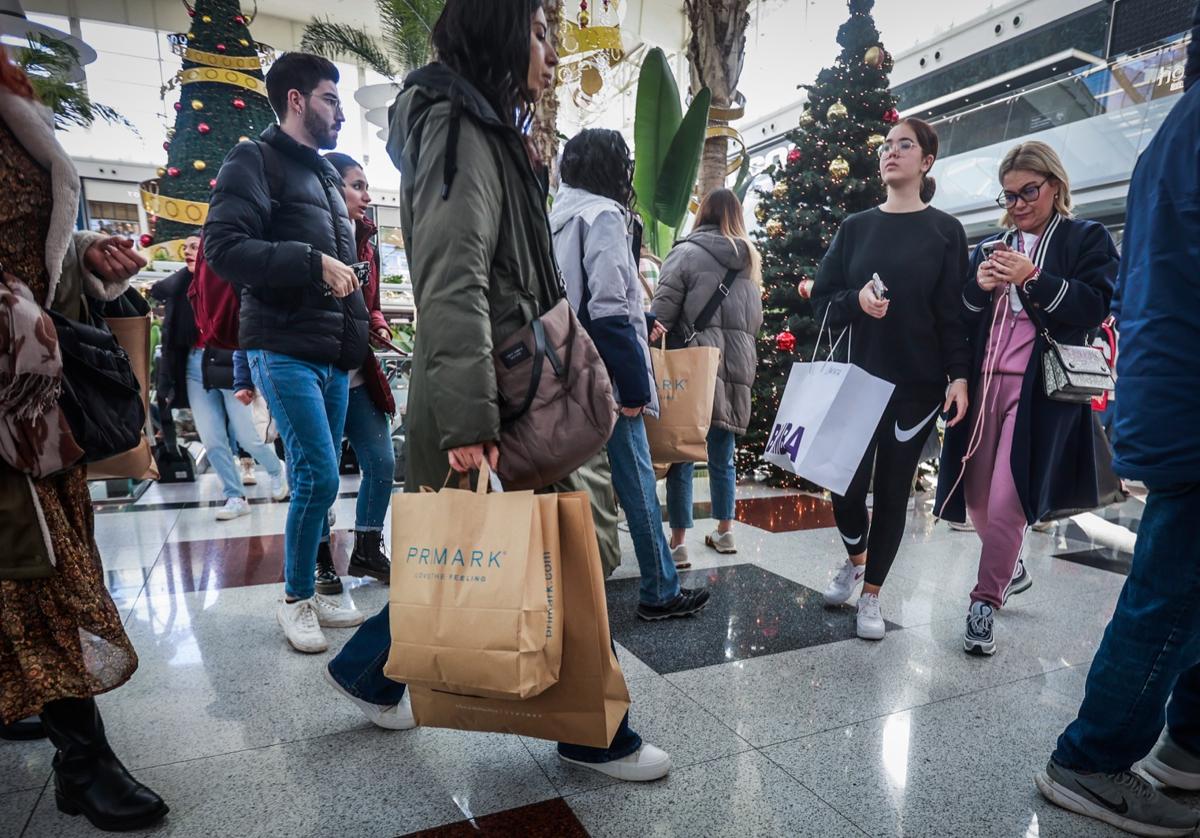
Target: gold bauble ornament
x,y
839,168
806,118
760,213
875,57
161,171
875,141
590,80
197,105
243,42
199,165
774,228
780,191
836,111
206,19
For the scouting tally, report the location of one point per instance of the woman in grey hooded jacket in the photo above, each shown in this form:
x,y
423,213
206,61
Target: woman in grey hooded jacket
x,y
717,261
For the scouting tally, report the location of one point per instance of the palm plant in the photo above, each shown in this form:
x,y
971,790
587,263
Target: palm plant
x,y
406,26
716,51
48,62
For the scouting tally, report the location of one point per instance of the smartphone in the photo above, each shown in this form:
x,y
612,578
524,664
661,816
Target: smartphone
x,y
988,248
878,287
363,271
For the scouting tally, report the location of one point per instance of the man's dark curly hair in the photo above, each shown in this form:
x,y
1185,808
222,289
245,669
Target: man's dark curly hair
x,y
597,160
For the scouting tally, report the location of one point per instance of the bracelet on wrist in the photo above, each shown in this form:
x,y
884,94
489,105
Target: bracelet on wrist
x,y
1032,278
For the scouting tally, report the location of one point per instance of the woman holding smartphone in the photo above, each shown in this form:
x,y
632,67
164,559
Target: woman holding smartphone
x,y
1028,458
893,276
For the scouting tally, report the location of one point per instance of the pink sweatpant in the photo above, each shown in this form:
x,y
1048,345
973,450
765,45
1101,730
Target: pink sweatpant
x,y
991,494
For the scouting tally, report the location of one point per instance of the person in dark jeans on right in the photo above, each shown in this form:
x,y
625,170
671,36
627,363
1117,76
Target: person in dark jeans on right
x,y
1147,669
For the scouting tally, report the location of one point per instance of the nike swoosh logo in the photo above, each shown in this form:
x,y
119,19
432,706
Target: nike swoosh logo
x,y
906,435
850,541
1120,809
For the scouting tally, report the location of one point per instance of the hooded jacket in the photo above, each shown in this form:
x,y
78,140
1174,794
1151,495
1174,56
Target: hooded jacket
x,y
695,268
473,212
595,249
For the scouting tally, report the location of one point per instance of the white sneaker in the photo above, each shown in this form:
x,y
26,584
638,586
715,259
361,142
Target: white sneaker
x,y
1043,526
870,620
843,586
645,764
301,625
722,542
279,485
233,508
965,526
331,517
394,717
249,478
337,612
679,555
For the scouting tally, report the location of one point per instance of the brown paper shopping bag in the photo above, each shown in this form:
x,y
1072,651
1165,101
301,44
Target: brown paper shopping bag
x,y
133,334
686,380
474,599
589,701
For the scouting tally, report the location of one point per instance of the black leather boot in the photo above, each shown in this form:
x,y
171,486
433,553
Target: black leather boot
x,y
328,581
23,730
368,558
89,780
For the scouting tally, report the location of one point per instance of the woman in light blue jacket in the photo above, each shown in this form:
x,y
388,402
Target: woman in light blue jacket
x,y
591,222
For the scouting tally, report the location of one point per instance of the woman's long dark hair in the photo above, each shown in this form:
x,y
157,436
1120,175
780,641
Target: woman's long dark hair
x,y
487,43
597,160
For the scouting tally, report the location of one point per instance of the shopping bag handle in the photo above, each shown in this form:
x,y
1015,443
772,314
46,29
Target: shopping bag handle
x,y
487,479
832,346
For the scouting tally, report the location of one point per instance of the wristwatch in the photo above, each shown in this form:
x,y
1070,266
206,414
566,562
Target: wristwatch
x,y
1032,281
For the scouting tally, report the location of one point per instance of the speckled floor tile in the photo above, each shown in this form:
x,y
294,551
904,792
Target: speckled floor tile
x,y
752,613
632,667
944,770
744,795
15,810
363,783
663,716
24,765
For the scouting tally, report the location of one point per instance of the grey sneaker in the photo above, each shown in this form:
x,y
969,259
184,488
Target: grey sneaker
x,y
679,555
979,638
1020,583
1124,800
722,542
1172,766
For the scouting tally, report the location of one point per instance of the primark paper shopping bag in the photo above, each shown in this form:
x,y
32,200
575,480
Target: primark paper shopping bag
x,y
475,591
826,420
686,380
587,704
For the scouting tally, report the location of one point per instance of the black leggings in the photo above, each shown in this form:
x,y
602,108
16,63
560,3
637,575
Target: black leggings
x,y
895,453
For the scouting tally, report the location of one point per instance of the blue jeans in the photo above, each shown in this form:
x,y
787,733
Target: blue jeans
x,y
358,667
633,478
1151,648
308,403
219,416
370,436
722,482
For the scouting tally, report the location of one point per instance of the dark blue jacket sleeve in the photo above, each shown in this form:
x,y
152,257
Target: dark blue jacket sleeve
x,y
1084,299
617,342
242,379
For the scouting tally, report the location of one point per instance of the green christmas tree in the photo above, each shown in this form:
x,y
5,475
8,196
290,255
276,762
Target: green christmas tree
x,y
832,172
222,100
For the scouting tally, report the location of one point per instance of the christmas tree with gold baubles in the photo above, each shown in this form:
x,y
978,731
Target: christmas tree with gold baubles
x,y
222,101
832,172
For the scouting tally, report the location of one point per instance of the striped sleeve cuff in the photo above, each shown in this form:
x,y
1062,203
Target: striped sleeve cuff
x,y
970,306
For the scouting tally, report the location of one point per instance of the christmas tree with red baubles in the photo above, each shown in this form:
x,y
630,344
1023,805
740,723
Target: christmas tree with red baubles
x,y
832,172
222,101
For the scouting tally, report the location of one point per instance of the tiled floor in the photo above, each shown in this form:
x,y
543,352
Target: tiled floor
x,y
778,720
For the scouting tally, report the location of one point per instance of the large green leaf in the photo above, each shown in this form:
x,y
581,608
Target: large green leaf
x,y
656,119
677,178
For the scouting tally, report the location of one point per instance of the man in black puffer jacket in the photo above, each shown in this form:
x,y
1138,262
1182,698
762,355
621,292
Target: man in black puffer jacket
x,y
278,230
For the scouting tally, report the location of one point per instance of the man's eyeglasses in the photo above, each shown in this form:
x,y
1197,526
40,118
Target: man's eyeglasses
x,y
903,146
1028,194
329,99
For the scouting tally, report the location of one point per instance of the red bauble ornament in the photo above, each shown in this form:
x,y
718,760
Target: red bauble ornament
x,y
145,240
220,47
240,104
166,146
793,155
191,12
785,341
238,19
212,184
203,128
179,106
173,171
892,116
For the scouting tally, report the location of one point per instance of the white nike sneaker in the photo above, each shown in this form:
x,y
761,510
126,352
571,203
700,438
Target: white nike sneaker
x,y
843,586
679,555
396,717
870,625
643,765
722,542
301,626
337,612
233,508
279,485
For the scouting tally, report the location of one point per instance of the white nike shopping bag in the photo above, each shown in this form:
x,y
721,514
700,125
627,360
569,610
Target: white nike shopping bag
x,y
826,419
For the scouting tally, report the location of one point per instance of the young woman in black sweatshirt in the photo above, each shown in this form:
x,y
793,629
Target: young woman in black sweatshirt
x,y
913,336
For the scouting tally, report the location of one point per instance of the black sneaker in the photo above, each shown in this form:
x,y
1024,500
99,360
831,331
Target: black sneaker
x,y
1021,581
368,558
979,639
328,581
687,603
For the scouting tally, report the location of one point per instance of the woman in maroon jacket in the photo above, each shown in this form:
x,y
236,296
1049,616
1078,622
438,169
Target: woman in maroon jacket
x,y
368,427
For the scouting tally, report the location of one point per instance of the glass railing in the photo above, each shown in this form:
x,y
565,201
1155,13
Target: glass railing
x,y
1119,91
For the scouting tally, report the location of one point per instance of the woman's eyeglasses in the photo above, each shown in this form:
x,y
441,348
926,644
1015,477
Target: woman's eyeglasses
x,y
1028,194
903,146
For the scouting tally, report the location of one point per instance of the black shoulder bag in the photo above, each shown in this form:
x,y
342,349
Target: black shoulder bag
x,y
706,314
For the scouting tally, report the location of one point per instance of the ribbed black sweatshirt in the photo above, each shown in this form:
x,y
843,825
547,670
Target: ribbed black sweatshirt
x,y
921,257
